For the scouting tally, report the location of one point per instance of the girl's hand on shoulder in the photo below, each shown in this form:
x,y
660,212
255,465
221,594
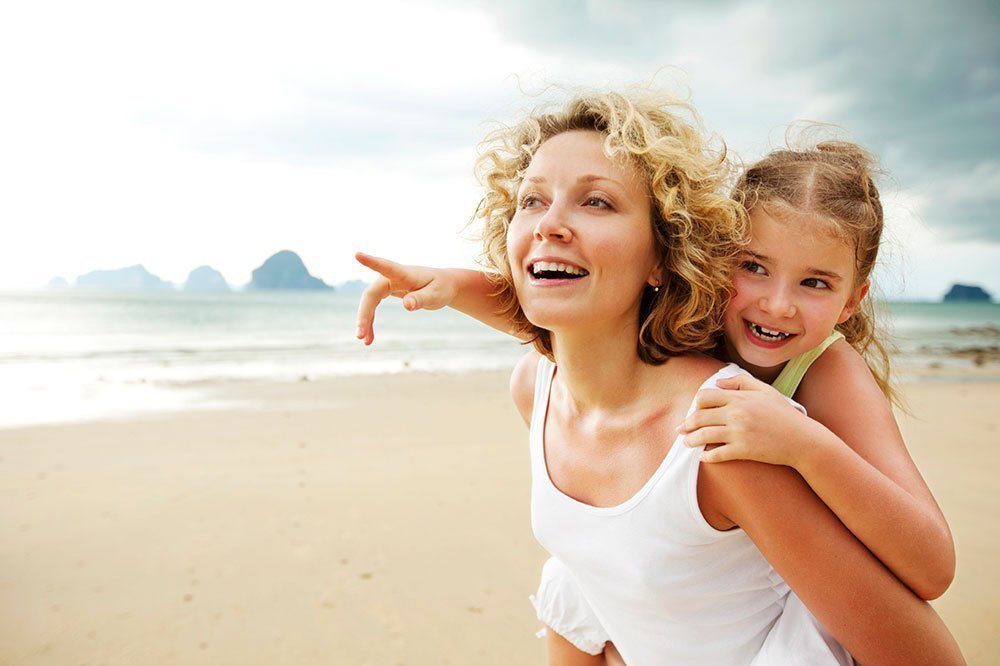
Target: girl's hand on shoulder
x,y
420,287
747,420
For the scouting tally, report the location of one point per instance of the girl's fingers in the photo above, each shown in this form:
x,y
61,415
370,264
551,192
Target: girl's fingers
x,y
701,418
707,435
722,454
427,298
711,398
373,294
389,269
740,382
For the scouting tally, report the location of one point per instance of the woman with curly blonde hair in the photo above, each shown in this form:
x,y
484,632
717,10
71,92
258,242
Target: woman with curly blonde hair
x,y
613,243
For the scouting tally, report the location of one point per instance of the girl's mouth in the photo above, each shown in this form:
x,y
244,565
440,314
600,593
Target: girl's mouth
x,y
768,336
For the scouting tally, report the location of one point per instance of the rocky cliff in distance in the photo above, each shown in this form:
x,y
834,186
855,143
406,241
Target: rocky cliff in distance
x,y
965,292
284,270
205,278
352,287
129,278
57,282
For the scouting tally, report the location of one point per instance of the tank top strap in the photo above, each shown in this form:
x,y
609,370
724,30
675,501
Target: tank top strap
x,y
540,406
791,375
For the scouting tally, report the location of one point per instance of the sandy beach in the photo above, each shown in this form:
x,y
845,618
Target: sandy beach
x,y
373,520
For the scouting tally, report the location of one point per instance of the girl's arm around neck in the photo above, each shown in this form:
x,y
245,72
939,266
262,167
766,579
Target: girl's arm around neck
x,y
872,484
877,618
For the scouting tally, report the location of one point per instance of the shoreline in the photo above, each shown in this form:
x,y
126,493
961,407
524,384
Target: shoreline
x,y
376,519
150,399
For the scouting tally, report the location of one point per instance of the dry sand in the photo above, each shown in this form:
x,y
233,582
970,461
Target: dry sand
x,y
379,520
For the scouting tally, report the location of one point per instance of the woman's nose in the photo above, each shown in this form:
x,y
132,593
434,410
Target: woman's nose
x,y
554,224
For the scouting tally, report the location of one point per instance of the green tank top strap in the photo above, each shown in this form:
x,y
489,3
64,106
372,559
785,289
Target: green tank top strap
x,y
791,375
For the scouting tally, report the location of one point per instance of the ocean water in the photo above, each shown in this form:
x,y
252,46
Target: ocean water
x,y
945,334
77,355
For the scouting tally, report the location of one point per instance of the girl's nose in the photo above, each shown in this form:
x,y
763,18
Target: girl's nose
x,y
778,303
553,225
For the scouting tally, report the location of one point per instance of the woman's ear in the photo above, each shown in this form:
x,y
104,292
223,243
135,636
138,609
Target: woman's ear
x,y
854,301
655,278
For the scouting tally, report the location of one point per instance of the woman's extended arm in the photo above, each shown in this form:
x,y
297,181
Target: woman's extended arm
x,y
425,288
856,598
850,453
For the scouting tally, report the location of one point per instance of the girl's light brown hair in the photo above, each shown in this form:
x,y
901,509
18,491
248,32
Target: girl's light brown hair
x,y
833,182
697,227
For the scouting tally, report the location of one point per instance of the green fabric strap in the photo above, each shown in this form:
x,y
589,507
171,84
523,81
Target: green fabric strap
x,y
791,375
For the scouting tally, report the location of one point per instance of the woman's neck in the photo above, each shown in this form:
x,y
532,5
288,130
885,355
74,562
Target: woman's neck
x,y
599,372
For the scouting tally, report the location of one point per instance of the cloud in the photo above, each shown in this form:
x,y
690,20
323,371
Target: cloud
x,y
917,82
207,117
921,86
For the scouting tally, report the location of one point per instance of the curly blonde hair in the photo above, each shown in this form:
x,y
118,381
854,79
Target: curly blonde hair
x,y
698,229
834,181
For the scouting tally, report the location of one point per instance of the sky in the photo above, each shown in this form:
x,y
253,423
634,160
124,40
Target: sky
x,y
214,132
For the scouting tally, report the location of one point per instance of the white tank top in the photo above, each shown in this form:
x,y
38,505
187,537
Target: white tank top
x,y
667,587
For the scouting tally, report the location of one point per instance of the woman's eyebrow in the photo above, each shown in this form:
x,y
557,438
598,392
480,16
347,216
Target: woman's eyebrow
x,y
592,178
581,179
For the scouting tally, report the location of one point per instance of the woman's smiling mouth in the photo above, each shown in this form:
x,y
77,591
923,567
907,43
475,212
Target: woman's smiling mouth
x,y
555,270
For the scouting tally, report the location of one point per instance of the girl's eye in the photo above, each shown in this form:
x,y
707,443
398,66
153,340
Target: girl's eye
x,y
754,267
597,202
815,283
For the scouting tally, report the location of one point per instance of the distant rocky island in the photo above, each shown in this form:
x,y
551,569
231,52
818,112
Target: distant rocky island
x,y
965,292
352,287
129,278
205,278
283,270
58,282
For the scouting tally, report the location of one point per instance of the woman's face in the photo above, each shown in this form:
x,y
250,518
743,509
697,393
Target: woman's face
x,y
580,244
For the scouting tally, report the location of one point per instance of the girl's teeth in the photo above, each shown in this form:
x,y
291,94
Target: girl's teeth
x,y
766,333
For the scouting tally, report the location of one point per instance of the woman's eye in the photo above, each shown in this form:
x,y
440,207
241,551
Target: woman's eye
x,y
528,201
753,267
597,202
815,283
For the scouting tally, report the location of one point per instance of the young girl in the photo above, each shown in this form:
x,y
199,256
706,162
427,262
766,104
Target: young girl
x,y
621,362
799,314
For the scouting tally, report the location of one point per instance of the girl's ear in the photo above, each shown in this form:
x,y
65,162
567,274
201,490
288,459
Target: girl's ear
x,y
853,302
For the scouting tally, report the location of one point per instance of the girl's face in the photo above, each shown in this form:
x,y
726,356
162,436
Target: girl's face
x,y
580,244
794,283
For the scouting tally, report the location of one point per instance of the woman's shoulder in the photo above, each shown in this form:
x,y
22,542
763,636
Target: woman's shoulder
x,y
696,370
522,383
678,380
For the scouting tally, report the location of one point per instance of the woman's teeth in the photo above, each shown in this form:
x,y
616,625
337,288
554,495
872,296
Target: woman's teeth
x,y
553,270
766,333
